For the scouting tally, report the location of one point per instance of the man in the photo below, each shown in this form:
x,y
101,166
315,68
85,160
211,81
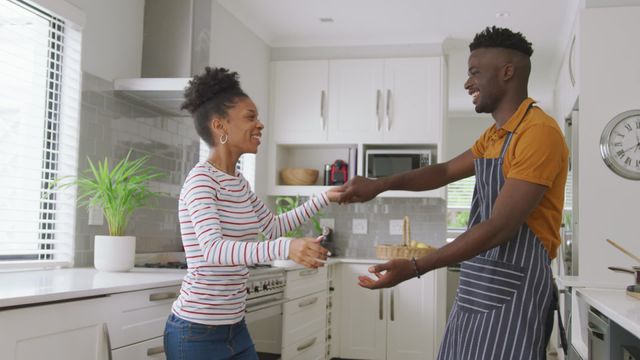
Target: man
x,y
506,295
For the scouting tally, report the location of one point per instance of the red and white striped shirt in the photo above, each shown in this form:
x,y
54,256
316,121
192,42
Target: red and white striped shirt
x,y
220,219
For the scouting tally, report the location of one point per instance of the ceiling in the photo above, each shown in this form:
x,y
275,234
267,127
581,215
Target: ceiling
x,y
296,23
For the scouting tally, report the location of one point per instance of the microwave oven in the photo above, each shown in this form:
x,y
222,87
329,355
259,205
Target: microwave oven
x,y
385,162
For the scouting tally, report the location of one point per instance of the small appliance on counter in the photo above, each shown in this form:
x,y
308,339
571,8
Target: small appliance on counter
x,y
337,173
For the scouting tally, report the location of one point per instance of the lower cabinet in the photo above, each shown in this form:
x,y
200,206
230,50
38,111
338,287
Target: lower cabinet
x,y
304,318
121,326
404,322
137,323
74,330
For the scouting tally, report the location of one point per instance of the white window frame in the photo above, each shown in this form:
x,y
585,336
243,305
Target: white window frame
x,y
54,245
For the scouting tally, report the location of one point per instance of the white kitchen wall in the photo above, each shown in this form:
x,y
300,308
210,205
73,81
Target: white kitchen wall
x,y
112,37
463,131
609,84
234,46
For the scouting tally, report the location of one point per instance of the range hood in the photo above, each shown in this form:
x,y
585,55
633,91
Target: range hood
x,y
175,45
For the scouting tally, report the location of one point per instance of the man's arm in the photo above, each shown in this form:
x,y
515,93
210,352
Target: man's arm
x,y
512,207
360,189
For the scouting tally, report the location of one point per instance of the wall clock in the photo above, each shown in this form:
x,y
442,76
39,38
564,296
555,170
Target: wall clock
x,y
620,144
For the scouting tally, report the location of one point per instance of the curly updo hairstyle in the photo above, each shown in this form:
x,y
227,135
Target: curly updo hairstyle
x,y
495,37
211,94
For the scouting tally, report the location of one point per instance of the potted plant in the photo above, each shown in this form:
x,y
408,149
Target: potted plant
x,y
288,203
118,191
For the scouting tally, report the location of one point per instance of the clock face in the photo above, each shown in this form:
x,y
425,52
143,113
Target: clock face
x,y
620,144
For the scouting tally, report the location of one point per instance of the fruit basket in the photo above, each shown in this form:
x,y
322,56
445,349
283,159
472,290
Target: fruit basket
x,y
407,250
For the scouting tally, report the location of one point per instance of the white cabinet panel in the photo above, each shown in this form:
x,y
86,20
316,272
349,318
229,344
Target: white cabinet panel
x,y
356,100
362,319
299,94
413,101
64,331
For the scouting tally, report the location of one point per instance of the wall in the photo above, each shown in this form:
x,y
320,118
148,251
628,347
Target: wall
x,y
235,47
609,82
463,131
112,37
110,127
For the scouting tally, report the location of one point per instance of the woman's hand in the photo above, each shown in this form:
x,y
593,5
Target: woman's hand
x,y
395,272
308,252
334,193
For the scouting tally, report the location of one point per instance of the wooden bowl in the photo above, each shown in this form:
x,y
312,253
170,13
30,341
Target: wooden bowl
x,y
299,176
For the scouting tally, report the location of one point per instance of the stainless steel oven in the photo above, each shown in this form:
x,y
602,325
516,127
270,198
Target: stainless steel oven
x,y
265,298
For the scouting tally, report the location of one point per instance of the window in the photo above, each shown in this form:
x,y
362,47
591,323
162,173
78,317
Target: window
x,y
39,107
459,195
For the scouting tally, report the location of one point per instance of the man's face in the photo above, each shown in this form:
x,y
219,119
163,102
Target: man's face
x,y
485,83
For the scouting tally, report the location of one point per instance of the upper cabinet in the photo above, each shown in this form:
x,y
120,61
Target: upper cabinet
x,y
299,101
567,87
357,101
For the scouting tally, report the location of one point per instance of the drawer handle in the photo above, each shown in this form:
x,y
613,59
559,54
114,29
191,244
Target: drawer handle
x,y
308,302
163,296
307,345
308,272
155,350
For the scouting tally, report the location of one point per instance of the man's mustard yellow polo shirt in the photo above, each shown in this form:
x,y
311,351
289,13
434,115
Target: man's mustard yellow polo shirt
x,y
537,154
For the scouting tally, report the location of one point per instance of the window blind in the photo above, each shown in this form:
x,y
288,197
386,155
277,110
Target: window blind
x,y
39,114
460,193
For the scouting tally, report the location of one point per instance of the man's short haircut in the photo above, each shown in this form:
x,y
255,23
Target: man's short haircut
x,y
495,37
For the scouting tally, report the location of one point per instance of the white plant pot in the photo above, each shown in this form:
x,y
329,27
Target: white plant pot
x,y
114,253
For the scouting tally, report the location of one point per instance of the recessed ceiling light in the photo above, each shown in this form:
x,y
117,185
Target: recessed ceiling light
x,y
326,20
502,14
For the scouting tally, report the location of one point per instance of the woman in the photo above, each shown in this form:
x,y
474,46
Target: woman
x,y
219,219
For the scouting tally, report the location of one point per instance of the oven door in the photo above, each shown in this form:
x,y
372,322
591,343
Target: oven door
x,y
264,321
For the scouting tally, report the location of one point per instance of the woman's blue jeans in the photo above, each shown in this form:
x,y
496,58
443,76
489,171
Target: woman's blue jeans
x,y
185,340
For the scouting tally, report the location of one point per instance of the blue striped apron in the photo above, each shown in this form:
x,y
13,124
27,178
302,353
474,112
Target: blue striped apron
x,y
505,293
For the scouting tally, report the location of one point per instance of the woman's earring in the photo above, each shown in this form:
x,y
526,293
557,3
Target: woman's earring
x,y
224,138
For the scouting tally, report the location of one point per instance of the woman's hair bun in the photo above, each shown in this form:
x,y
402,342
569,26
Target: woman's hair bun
x,y
208,85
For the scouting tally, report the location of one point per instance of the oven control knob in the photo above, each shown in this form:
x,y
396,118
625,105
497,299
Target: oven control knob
x,y
256,289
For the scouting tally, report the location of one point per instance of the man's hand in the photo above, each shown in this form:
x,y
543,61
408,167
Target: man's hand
x,y
359,189
308,252
395,272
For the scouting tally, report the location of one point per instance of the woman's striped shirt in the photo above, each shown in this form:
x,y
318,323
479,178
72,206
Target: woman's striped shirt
x,y
220,219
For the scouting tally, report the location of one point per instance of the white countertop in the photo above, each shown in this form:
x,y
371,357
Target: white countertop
x,y
41,286
616,305
21,288
565,281
291,265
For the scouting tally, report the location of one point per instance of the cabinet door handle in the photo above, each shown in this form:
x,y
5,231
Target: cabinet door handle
x,y
155,350
308,272
572,76
105,331
307,345
322,111
388,111
163,296
391,305
380,312
308,302
378,98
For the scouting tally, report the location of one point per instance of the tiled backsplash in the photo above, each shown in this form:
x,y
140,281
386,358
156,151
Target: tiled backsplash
x,y
427,218
109,127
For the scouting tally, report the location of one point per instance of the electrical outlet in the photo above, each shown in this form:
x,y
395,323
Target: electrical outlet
x,y
395,227
96,216
328,222
359,226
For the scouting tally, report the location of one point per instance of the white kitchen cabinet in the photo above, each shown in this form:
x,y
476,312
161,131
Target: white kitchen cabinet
x,y
385,100
567,87
137,323
404,322
66,331
304,318
299,91
356,100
